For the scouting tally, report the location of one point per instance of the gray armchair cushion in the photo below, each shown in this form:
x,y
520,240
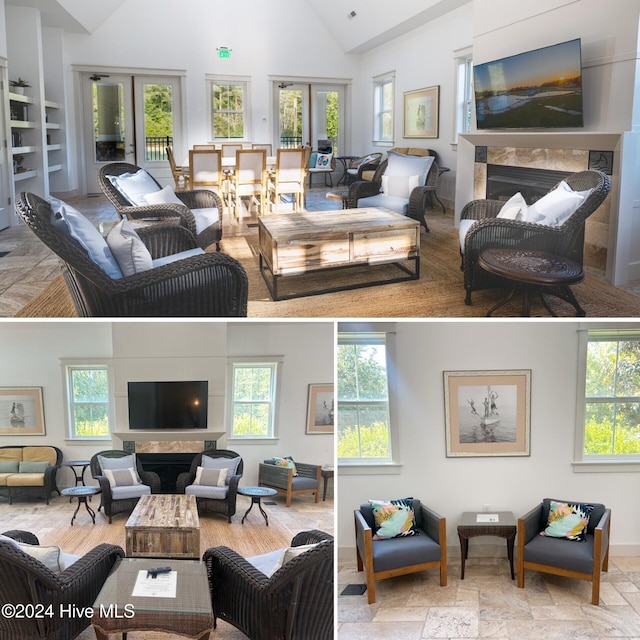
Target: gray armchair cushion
x,y
298,483
203,491
559,552
404,551
132,491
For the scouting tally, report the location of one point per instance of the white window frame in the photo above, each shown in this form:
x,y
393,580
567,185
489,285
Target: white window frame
x,y
70,365
379,83
463,99
274,362
243,81
365,466
582,462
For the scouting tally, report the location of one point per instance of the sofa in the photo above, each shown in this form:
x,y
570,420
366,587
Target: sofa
x,y
29,469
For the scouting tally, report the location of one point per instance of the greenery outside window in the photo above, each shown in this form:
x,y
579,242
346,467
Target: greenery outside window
x,y
364,431
229,109
253,399
609,398
383,103
88,395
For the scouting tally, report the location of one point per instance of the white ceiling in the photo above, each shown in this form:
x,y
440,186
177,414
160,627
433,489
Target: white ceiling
x,y
375,21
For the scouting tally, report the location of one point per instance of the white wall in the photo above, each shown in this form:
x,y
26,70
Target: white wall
x,y
30,355
453,485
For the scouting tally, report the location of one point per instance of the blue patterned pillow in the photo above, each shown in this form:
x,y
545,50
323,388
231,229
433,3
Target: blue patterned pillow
x,y
568,520
393,518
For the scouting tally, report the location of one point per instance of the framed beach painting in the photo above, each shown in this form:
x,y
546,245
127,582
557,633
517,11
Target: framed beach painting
x,y
421,109
21,412
487,413
320,409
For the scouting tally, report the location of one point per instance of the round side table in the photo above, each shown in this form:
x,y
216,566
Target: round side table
x,y
256,494
82,493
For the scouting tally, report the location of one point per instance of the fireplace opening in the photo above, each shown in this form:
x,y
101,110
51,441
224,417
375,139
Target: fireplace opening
x,y
168,466
503,182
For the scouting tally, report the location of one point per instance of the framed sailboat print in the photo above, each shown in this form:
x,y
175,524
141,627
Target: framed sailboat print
x,y
21,412
487,413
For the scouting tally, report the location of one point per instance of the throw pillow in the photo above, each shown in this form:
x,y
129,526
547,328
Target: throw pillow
x,y
557,206
166,195
91,240
514,208
121,477
49,556
222,463
286,462
290,553
399,186
399,164
393,518
211,477
9,467
130,252
323,161
33,467
135,186
123,462
568,520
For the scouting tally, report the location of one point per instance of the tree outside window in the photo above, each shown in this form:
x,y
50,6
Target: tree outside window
x,y
88,401
363,399
253,395
228,109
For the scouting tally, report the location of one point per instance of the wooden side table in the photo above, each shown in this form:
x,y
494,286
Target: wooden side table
x,y
473,524
326,473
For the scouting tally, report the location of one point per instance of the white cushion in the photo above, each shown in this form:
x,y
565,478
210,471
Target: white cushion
x,y
211,477
49,556
132,491
122,477
400,164
211,493
267,563
399,186
123,462
557,206
514,208
166,195
323,161
67,559
130,252
222,463
91,239
135,186
393,203
205,217
174,257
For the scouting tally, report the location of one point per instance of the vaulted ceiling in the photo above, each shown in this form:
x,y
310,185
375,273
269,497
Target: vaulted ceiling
x,y
356,25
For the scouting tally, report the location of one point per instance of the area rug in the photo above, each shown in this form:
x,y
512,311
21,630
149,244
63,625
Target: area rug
x,y
439,293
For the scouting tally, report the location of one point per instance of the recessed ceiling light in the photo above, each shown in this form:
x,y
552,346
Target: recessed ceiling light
x,y
351,15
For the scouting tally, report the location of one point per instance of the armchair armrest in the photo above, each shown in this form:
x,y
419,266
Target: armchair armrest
x,y
364,541
151,479
601,538
310,537
105,486
362,189
434,525
200,199
309,470
166,239
85,567
19,535
272,476
529,525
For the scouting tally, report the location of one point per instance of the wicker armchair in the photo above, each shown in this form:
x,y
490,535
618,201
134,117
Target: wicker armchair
x,y
225,505
566,240
25,580
295,602
192,199
419,200
285,482
110,502
210,284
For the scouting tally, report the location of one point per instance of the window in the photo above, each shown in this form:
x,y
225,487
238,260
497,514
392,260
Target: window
x,y
229,109
88,401
383,109
364,433
464,92
609,402
253,396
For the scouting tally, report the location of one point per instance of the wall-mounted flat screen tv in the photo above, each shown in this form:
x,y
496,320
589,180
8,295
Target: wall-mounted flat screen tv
x,y
534,90
168,405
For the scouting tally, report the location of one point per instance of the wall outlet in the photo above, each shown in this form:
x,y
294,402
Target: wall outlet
x,y
485,508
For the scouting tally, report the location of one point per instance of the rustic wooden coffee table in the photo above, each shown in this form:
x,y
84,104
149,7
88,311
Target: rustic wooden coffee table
x,y
299,243
164,526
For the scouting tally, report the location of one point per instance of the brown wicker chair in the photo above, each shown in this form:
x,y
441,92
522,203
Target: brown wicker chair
x,y
110,503
210,284
296,602
566,240
192,199
225,506
25,580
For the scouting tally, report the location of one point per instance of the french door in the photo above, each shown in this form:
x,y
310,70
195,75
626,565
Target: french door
x,y
310,114
131,119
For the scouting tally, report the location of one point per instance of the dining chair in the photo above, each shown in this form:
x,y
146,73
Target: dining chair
x,y
207,147
229,150
249,179
205,171
180,174
288,178
267,147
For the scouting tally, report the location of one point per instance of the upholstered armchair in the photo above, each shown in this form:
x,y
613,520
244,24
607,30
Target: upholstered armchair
x,y
24,579
323,164
295,601
182,279
481,226
137,195
390,557
210,497
571,558
118,496
297,479
402,183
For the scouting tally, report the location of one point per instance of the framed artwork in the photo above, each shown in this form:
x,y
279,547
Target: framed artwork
x,y
421,112
487,413
21,412
320,409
